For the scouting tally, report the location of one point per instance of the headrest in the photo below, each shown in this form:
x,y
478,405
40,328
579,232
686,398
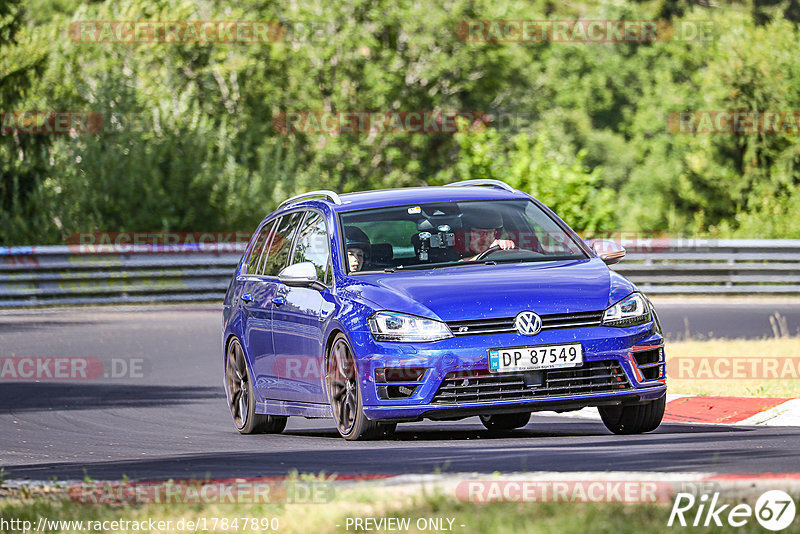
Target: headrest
x,y
381,252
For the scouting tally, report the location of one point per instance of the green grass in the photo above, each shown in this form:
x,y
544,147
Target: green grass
x,y
363,501
784,347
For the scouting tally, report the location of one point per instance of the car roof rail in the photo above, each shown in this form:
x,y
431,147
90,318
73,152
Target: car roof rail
x,y
323,193
483,182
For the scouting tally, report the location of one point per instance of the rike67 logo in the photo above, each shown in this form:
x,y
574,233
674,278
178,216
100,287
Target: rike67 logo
x,y
774,510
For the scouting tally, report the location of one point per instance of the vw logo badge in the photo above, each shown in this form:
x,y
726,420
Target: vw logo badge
x,y
528,323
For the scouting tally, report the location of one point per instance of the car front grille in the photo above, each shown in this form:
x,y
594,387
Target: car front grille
x,y
505,325
462,387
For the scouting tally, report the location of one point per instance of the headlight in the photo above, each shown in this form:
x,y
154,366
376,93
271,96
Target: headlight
x,y
631,310
393,326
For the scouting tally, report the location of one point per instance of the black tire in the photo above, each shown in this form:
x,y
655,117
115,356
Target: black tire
x,y
241,396
344,393
505,421
634,419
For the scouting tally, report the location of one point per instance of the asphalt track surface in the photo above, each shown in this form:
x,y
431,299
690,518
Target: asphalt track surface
x,y
173,421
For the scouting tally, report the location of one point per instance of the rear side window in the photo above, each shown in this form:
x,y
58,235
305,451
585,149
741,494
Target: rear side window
x,y
281,246
313,244
258,248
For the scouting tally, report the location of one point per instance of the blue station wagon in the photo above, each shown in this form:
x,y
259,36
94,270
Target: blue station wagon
x,y
471,299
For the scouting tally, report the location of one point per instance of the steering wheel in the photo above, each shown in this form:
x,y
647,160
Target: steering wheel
x,y
486,252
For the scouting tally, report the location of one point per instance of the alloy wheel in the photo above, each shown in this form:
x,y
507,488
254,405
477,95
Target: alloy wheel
x,y
343,386
237,387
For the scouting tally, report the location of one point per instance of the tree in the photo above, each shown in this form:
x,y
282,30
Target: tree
x,y
21,156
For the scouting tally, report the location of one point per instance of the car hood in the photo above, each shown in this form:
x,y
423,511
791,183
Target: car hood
x,y
502,290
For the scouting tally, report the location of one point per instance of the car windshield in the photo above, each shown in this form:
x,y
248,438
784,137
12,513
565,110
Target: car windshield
x,y
452,233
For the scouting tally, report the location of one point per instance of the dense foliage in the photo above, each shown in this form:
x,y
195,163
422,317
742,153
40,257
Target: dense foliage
x,y
188,141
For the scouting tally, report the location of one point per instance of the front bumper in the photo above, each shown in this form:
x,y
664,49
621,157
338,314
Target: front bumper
x,y
601,345
557,404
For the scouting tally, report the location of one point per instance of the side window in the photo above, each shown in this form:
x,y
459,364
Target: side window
x,y
258,247
313,244
281,245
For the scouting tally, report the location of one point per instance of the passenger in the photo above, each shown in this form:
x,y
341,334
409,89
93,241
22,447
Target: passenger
x,y
358,246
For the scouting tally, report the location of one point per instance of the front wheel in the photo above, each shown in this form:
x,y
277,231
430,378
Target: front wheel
x,y
242,399
633,419
506,421
344,393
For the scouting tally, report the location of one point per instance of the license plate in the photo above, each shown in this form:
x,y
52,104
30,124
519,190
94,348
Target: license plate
x,y
535,358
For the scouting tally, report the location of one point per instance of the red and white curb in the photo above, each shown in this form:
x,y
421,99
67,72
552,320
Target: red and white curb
x,y
731,485
740,411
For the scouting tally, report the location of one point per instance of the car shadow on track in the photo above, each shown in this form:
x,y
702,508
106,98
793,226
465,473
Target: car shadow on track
x,y
21,397
14,326
477,456
562,428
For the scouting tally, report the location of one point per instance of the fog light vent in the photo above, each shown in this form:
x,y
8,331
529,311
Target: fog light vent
x,y
398,382
650,361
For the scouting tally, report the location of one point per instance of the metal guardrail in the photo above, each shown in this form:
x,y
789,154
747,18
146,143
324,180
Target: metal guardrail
x,y
63,275
714,266
69,275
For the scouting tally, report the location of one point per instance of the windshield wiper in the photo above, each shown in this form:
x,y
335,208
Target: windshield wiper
x,y
422,266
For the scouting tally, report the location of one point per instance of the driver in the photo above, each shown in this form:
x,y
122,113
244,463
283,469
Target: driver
x,y
358,245
485,230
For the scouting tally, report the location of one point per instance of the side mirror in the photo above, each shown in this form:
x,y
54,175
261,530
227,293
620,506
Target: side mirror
x,y
301,275
608,251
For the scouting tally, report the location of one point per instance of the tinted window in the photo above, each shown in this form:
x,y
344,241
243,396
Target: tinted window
x,y
281,245
544,234
251,264
395,233
455,232
313,244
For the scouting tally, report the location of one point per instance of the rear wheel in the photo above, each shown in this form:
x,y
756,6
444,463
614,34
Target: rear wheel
x,y
344,393
241,397
633,419
506,421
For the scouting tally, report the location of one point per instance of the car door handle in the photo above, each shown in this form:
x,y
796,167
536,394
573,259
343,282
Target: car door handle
x,y
247,297
279,301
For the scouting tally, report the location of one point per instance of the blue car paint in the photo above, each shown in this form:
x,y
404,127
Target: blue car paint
x,y
449,293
